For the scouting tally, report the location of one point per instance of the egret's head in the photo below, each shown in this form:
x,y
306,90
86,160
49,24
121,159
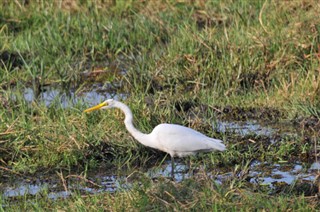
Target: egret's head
x,y
104,105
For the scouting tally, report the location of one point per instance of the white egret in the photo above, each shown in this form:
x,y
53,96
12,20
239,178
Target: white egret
x,y
176,140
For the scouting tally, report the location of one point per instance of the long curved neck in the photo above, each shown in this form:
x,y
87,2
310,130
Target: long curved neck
x,y
128,121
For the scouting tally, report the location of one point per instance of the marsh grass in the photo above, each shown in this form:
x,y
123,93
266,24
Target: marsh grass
x,y
184,63
197,194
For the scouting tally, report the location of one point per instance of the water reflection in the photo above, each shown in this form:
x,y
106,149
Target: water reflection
x,y
181,171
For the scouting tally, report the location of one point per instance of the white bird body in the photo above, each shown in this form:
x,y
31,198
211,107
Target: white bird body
x,y
181,141
173,139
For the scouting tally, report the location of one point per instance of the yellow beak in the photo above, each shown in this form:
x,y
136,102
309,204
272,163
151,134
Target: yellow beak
x,y
97,107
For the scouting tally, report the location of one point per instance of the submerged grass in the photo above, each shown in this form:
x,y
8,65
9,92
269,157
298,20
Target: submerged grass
x,y
183,62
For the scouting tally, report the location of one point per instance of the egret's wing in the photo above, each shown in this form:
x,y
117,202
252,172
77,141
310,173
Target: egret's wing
x,y
177,138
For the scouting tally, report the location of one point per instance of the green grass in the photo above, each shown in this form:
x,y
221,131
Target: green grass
x,y
241,55
195,194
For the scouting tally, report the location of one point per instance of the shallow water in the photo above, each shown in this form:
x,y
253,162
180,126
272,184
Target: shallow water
x,y
99,182
260,173
54,188
245,128
55,95
287,173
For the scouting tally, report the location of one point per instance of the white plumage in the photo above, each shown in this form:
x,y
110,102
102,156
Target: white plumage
x,y
173,139
181,141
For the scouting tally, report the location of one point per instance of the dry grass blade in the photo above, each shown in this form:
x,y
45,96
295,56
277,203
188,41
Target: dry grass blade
x,y
63,181
260,16
10,170
84,179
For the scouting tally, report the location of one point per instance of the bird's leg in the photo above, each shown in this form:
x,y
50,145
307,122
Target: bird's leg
x,y
190,170
172,167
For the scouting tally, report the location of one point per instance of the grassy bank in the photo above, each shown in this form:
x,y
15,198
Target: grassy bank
x,y
184,62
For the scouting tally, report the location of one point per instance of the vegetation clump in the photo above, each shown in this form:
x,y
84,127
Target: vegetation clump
x,y
194,63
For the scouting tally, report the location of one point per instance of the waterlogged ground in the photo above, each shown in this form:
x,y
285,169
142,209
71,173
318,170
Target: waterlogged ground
x,y
301,177
55,95
244,128
246,72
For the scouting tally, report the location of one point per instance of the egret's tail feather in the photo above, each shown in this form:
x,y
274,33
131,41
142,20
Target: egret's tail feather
x,y
217,144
